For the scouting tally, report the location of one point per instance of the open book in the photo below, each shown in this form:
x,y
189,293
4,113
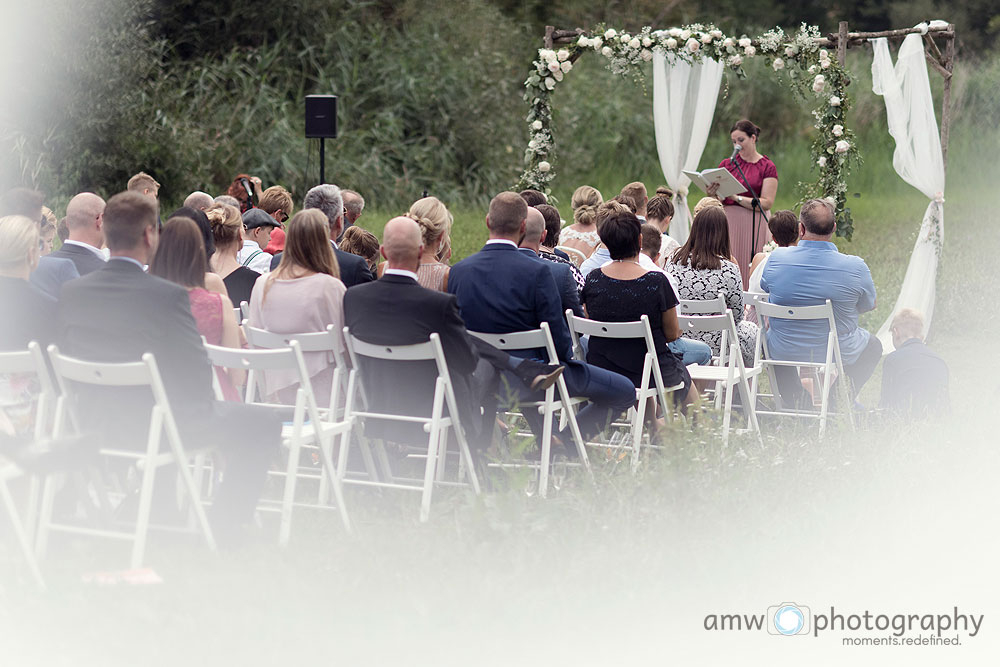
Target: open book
x,y
728,186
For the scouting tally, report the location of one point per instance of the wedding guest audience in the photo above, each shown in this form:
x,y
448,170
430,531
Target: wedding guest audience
x,y
435,222
650,242
276,201
534,229
354,205
119,313
49,273
501,290
630,202
238,191
327,199
362,243
227,225
702,270
228,201
582,234
914,377
659,212
28,313
144,184
547,250
85,221
533,197
637,192
784,228
180,258
808,275
624,291
213,281
46,235
302,294
198,200
706,202
257,229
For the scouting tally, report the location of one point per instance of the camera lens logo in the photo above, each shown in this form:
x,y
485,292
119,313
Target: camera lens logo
x,y
789,619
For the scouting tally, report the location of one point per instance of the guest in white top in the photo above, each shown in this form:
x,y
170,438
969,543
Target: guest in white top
x,y
582,234
257,228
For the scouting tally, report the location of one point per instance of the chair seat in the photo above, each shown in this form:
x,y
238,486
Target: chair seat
x,y
308,431
718,373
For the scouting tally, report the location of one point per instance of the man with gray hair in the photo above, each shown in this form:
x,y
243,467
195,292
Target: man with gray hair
x,y
807,275
328,199
354,204
198,200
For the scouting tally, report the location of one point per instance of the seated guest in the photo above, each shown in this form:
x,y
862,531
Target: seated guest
x,y
213,281
354,206
238,191
276,201
533,197
198,200
706,202
702,268
784,228
119,313
145,185
547,248
650,242
257,228
327,199
914,377
582,234
28,313
362,243
435,222
228,201
444,252
85,220
227,229
659,213
303,294
501,290
534,229
180,258
636,190
808,275
624,291
47,230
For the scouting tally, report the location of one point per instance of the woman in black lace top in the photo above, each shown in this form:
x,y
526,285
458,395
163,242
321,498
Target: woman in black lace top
x,y
623,291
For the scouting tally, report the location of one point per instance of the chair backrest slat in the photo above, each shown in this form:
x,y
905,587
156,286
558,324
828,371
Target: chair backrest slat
x,y
703,306
586,327
228,357
820,312
415,352
128,374
314,341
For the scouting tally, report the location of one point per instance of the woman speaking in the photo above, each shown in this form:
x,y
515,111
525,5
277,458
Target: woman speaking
x,y
745,238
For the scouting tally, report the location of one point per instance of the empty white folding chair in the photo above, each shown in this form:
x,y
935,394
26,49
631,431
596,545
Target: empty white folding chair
x,y
578,257
309,427
436,425
580,326
72,372
730,373
830,368
541,338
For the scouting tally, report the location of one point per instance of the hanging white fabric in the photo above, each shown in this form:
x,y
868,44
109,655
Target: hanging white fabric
x,y
684,98
918,160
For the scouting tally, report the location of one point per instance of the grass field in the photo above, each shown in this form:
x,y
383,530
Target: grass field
x,y
899,518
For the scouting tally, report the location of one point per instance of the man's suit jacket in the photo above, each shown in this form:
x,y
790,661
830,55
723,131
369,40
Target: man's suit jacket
x,y
395,310
86,260
28,315
119,313
51,273
563,275
353,268
501,290
915,381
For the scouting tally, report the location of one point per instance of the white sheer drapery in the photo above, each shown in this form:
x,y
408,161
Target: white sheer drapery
x,y
918,160
684,98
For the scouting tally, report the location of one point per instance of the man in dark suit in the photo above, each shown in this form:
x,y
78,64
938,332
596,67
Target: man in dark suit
x,y
914,377
534,230
501,290
396,310
327,198
117,314
85,222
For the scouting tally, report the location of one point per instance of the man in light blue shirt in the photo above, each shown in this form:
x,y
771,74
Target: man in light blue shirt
x,y
807,275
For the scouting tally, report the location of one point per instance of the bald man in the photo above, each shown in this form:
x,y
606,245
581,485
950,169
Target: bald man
x,y
85,222
199,200
534,234
396,310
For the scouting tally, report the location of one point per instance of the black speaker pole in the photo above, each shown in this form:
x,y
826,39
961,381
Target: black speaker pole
x,y
322,160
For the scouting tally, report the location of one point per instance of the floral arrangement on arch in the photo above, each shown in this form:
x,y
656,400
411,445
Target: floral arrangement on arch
x,y
795,58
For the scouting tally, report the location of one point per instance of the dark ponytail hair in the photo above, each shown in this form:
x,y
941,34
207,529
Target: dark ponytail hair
x,y
746,127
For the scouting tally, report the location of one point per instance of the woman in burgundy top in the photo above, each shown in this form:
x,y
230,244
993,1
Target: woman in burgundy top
x,y
762,175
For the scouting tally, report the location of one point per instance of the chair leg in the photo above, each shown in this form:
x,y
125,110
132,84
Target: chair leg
x,y
326,451
146,487
45,515
21,534
574,427
288,497
174,438
432,448
545,446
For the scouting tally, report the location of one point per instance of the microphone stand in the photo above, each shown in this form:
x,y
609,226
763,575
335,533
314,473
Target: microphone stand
x,y
754,205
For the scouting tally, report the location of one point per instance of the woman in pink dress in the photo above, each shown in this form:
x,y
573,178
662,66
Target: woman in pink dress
x,y
762,176
180,258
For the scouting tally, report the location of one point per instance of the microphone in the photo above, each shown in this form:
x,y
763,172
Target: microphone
x,y
736,151
246,186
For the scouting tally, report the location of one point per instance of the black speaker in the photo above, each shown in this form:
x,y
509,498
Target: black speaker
x,y
321,116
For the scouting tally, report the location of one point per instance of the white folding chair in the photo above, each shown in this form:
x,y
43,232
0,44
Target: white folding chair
x,y
436,425
730,373
750,300
831,366
308,428
244,311
71,372
8,472
576,256
541,338
580,326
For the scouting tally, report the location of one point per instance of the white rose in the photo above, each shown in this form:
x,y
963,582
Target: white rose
x,y
838,130
537,125
736,61
583,41
532,144
610,33
716,34
566,66
842,146
646,55
834,101
685,35
745,42
824,54
706,38
812,69
606,52
553,67
625,38
778,64
562,55
647,42
674,32
544,166
750,51
596,42
824,64
693,45
671,43
634,43
822,161
558,74
790,51
548,55
819,83
550,83
727,42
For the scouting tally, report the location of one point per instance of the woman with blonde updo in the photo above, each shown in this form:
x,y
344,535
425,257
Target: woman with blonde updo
x,y
582,234
28,313
435,228
227,232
